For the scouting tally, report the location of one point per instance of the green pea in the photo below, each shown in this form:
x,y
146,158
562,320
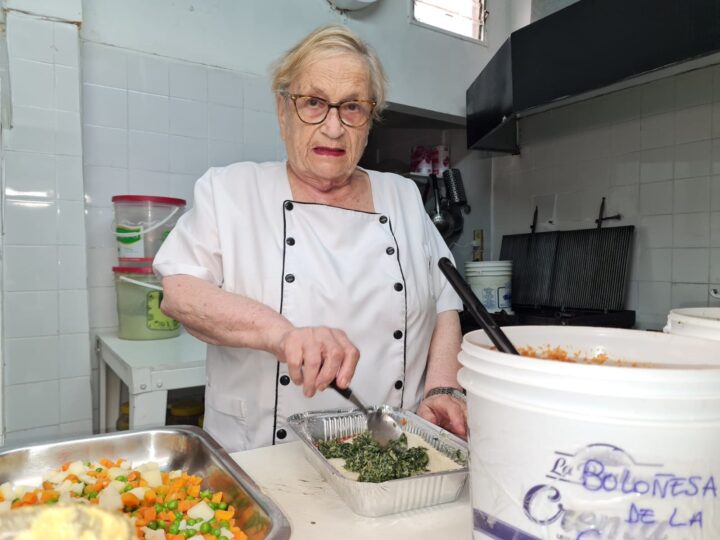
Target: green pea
x,y
213,505
216,532
222,505
127,488
92,494
121,478
190,521
206,494
189,532
172,505
223,537
179,515
161,524
190,498
152,525
99,469
159,507
52,501
205,528
174,529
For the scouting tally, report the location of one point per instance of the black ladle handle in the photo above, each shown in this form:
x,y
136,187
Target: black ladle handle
x,y
477,310
348,394
344,392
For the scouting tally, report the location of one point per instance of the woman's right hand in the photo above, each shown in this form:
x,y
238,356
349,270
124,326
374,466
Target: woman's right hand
x,y
317,355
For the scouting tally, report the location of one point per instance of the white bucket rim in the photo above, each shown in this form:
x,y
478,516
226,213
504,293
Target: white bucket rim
x,y
472,345
703,316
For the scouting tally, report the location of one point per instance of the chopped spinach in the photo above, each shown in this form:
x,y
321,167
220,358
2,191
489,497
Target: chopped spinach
x,y
374,463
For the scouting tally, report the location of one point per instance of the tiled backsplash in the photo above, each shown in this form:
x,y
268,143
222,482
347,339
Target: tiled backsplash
x,y
153,126
654,152
46,340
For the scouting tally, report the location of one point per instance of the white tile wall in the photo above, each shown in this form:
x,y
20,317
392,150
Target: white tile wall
x,y
664,135
152,126
45,278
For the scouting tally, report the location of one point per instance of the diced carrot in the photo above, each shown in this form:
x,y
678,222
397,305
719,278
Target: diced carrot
x,y
150,497
29,498
133,476
139,522
194,491
72,478
222,515
217,497
106,463
150,513
239,535
65,466
128,499
47,485
49,495
184,506
167,516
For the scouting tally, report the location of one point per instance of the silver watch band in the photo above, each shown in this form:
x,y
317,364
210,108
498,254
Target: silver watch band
x,y
448,390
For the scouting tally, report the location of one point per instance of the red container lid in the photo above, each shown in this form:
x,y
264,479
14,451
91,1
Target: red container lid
x,y
149,198
132,269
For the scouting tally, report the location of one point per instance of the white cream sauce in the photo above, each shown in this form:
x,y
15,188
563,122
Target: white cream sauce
x,y
437,461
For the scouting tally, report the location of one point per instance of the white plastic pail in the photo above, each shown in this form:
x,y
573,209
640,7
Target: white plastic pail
x,y
491,281
142,222
697,322
562,450
139,295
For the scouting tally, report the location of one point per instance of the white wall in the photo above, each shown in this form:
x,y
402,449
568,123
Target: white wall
x,y
654,152
46,344
426,68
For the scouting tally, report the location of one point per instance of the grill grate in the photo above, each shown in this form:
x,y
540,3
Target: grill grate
x,y
583,269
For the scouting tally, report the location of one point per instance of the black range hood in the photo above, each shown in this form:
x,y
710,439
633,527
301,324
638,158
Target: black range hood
x,y
587,46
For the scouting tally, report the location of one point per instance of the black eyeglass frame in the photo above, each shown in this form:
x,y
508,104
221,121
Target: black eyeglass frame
x,y
295,97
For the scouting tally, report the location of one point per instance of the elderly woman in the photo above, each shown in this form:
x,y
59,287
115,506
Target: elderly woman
x,y
314,269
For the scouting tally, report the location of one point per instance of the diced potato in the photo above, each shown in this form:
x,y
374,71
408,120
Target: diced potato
x,y
77,468
152,477
201,511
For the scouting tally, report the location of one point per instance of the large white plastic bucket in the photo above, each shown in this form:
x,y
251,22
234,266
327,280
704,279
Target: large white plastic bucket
x,y
564,450
491,281
142,222
139,295
696,322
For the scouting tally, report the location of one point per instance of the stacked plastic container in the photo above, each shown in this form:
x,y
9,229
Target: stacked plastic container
x,y
142,222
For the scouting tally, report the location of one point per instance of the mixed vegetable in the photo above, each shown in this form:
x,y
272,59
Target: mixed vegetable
x,y
374,463
161,505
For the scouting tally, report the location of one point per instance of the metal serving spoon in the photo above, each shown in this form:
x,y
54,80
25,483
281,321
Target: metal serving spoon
x,y
382,427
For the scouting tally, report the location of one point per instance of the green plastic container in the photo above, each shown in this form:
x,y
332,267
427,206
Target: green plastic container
x,y
139,295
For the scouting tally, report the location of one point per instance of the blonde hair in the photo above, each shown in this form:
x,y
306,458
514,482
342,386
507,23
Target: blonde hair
x,y
331,39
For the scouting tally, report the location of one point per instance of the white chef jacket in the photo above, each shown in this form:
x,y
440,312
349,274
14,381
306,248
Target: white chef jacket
x,y
373,275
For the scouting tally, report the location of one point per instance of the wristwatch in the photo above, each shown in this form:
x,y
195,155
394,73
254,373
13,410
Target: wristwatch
x,y
449,390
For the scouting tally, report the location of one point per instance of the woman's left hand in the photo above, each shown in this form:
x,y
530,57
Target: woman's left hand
x,y
445,411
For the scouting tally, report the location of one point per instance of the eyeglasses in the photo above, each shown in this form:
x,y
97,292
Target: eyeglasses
x,y
314,110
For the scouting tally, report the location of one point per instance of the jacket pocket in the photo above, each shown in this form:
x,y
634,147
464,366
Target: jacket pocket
x,y
226,420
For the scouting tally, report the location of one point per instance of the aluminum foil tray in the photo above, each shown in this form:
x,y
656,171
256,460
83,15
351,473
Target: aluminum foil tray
x,y
175,447
370,499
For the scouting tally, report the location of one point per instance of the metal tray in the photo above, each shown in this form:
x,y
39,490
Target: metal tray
x,y
369,499
176,447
